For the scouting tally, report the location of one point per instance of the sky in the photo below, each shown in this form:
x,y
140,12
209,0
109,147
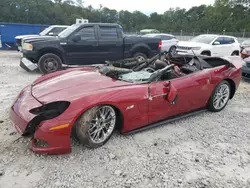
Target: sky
x,y
146,6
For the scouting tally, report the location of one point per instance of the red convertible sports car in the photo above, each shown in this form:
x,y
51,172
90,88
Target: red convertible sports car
x,y
89,103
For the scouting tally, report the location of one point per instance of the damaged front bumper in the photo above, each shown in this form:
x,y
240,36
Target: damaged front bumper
x,y
44,140
28,65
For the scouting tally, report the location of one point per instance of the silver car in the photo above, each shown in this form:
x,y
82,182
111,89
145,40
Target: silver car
x,y
169,42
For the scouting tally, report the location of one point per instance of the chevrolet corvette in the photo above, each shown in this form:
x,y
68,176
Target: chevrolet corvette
x,y
90,103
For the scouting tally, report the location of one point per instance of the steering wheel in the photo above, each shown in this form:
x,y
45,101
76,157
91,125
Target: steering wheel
x,y
149,69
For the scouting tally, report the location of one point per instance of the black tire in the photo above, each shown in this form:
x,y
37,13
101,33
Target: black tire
x,y
172,51
211,106
82,127
141,56
55,60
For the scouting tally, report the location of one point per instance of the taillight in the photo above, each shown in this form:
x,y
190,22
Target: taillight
x,y
160,45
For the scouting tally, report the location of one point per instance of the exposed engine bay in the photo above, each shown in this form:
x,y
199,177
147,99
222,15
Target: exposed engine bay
x,y
160,67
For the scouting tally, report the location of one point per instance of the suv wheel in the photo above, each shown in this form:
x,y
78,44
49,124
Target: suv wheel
x,y
140,56
49,63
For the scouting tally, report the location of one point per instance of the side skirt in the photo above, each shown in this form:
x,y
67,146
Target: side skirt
x,y
160,123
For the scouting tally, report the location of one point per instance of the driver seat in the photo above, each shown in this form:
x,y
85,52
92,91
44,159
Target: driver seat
x,y
192,66
159,64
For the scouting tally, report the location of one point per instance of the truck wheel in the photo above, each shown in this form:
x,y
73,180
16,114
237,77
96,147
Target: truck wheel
x,y
140,56
49,63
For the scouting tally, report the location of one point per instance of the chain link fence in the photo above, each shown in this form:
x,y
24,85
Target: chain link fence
x,y
185,36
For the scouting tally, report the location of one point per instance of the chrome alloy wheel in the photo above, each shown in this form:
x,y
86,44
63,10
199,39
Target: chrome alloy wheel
x,y
221,96
102,124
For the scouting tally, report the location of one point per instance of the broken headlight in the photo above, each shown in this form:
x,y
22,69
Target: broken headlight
x,y
50,110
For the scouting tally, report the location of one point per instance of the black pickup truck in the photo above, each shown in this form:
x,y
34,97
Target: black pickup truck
x,y
85,44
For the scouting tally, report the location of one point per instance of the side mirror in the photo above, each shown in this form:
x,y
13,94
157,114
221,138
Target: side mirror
x,y
76,38
216,43
51,34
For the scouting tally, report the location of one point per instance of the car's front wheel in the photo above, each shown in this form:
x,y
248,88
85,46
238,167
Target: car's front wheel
x,y
219,97
95,126
49,63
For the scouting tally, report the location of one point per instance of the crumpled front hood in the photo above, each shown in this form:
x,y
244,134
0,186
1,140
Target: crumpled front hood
x,y
40,39
192,44
25,36
72,85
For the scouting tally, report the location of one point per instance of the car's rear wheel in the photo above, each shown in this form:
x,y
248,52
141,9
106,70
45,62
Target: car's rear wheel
x,y
219,97
49,63
95,126
172,51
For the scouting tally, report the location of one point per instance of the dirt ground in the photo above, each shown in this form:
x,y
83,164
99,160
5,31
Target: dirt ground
x,y
209,150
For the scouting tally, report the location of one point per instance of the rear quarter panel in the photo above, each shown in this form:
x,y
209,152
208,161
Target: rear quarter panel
x,y
225,72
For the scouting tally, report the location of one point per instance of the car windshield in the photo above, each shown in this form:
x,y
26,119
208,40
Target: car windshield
x,y
46,31
135,77
207,39
126,75
68,31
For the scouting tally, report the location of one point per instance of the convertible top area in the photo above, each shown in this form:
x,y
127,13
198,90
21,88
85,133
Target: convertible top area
x,y
159,67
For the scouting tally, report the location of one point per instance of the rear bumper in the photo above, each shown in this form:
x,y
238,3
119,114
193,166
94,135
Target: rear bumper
x,y
44,140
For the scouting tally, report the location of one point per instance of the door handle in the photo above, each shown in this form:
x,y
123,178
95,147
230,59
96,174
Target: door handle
x,y
95,44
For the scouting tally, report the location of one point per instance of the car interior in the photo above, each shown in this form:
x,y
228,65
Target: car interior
x,y
186,64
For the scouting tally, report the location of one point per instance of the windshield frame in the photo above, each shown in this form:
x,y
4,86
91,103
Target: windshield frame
x,y
46,31
68,31
210,37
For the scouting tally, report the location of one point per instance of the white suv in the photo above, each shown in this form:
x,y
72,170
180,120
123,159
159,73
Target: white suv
x,y
210,45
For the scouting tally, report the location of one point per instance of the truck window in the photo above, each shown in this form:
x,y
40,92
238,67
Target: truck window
x,y
108,32
87,33
57,30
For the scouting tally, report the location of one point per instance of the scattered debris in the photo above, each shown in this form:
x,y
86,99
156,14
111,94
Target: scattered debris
x,y
1,172
13,133
112,156
118,172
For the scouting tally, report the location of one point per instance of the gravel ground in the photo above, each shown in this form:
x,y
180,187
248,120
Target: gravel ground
x,y
204,151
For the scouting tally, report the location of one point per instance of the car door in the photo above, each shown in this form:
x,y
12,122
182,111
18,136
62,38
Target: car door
x,y
223,46
187,93
85,50
110,43
218,47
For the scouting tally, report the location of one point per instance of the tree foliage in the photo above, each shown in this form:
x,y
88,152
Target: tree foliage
x,y
229,15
